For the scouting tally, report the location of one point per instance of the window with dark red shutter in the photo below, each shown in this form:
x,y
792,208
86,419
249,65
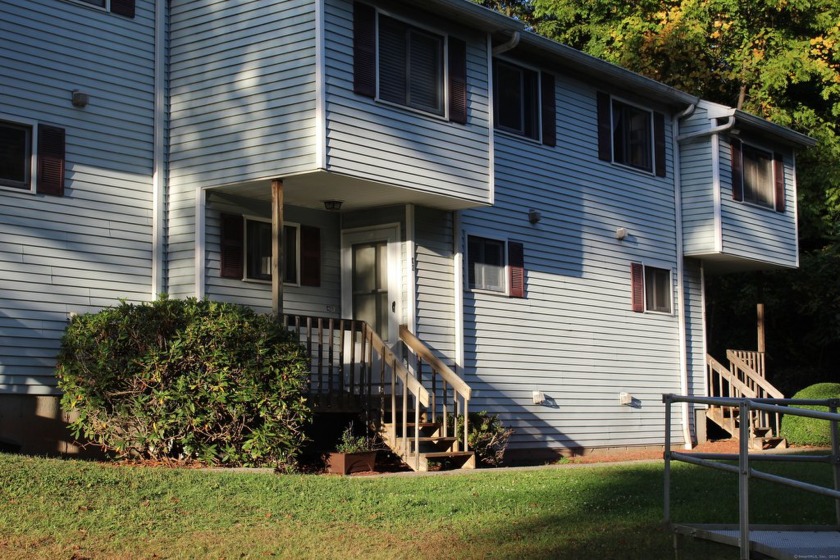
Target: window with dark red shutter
x,y
630,135
232,246
637,281
457,80
50,160
516,268
123,8
737,175
779,178
364,49
310,256
548,109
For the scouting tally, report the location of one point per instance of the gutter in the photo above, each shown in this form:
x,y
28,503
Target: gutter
x,y
158,164
686,409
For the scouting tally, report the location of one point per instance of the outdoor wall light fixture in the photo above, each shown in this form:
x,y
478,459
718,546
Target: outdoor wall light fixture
x,y
621,233
79,99
534,216
333,205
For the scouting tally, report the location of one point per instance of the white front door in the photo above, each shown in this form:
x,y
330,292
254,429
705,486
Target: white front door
x,y
370,273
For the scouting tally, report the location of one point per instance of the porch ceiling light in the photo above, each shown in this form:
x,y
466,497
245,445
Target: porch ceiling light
x,y
333,205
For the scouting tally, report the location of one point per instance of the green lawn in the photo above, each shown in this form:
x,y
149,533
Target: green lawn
x,y
62,509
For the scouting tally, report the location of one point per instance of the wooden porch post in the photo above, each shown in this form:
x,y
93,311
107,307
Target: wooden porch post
x,y
277,245
760,322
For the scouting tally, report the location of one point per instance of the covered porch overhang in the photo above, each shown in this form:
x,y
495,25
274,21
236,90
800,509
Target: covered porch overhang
x,y
310,190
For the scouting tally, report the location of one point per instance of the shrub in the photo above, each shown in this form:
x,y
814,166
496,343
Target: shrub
x,y
185,379
487,437
799,430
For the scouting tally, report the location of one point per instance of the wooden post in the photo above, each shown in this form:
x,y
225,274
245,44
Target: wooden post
x,y
277,244
760,321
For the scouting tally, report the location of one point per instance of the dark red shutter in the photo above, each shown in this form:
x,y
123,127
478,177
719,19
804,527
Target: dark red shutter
x,y
659,143
310,256
50,160
779,177
232,246
516,266
637,280
364,49
123,8
737,169
549,110
604,127
457,80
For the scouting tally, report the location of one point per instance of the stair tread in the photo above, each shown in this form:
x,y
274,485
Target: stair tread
x,y
434,454
412,424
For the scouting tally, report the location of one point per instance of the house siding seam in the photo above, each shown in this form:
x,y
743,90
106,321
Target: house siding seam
x,y
92,246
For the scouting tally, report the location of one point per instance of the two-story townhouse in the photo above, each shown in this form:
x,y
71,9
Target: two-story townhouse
x,y
77,186
540,219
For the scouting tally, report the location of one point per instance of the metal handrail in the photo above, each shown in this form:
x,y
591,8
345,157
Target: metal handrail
x,y
743,469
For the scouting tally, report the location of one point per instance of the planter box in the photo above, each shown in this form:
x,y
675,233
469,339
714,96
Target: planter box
x,y
346,463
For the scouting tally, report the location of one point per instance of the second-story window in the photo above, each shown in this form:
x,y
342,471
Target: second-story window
x,y
630,135
410,66
399,63
758,176
516,98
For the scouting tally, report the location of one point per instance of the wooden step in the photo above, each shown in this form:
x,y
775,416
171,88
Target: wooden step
x,y
458,459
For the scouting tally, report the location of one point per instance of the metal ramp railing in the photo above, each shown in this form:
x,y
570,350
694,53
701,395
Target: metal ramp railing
x,y
775,541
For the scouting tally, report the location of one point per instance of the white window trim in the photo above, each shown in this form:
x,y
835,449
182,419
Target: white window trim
x,y
33,153
650,112
671,276
538,139
493,236
250,218
445,67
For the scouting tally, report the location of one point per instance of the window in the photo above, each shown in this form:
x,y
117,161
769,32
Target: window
x,y
18,152
651,288
523,102
258,251
245,251
489,259
758,176
516,99
410,66
403,64
119,7
15,155
631,136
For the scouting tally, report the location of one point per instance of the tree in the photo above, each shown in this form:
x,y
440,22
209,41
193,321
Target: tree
x,y
778,59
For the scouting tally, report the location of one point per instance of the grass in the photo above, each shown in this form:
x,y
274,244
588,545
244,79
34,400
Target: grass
x,y
52,508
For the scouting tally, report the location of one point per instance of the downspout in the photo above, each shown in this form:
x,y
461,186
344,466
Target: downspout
x,y
458,280
686,409
508,45
158,153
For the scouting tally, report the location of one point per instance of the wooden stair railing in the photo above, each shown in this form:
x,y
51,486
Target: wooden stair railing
x,y
744,378
348,361
449,394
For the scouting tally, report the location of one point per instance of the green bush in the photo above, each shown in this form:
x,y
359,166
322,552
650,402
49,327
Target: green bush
x,y
487,437
185,379
799,430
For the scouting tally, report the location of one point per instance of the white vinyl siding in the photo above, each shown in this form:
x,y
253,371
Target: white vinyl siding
x,y
435,281
754,232
399,146
242,105
91,247
575,336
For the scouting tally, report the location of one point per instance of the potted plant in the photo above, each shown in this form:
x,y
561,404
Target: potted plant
x,y
352,454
